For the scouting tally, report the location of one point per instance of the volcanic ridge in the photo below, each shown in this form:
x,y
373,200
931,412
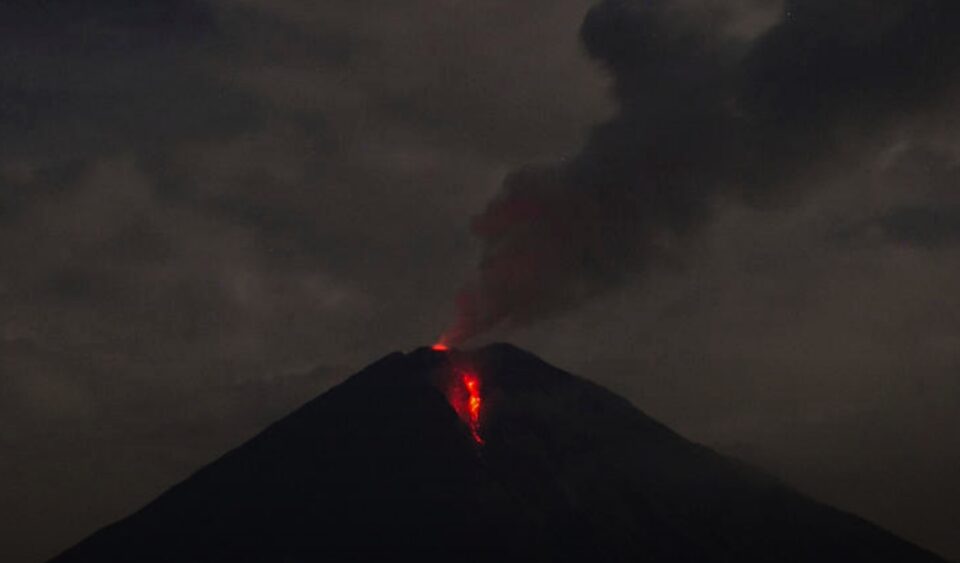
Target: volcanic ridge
x,y
486,455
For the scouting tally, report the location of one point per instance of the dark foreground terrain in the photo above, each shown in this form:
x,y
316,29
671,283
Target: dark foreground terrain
x,y
385,467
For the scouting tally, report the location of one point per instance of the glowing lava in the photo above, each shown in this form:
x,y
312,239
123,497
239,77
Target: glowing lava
x,y
474,401
463,393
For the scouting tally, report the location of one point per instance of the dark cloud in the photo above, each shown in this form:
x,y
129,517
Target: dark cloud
x,y
702,116
853,60
82,78
102,25
931,227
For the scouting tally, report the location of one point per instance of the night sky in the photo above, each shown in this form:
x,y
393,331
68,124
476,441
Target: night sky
x,y
743,215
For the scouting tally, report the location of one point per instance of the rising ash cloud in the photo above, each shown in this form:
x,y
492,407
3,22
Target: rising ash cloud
x,y
704,116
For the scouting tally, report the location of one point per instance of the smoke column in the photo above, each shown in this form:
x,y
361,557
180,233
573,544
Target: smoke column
x,y
703,115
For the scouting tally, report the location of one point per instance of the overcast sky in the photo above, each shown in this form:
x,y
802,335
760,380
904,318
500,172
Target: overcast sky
x,y
211,211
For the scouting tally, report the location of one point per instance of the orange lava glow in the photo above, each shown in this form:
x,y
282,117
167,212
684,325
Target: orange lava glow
x,y
440,347
474,401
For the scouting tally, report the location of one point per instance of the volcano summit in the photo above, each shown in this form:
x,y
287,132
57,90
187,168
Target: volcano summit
x,y
490,455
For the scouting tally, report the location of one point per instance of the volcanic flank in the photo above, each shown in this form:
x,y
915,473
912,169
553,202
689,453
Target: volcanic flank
x,y
490,455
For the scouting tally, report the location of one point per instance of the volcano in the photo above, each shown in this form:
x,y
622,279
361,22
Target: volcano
x,y
537,465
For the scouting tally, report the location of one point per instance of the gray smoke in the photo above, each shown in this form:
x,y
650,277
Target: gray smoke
x,y
703,115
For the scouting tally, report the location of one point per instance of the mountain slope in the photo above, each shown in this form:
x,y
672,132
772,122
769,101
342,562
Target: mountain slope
x,y
386,466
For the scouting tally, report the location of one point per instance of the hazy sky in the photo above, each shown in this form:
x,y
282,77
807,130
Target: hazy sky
x,y
211,211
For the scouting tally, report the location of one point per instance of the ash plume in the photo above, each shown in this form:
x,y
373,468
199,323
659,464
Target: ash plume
x,y
704,115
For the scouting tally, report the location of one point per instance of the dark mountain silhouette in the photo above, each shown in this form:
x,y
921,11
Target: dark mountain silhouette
x,y
382,468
